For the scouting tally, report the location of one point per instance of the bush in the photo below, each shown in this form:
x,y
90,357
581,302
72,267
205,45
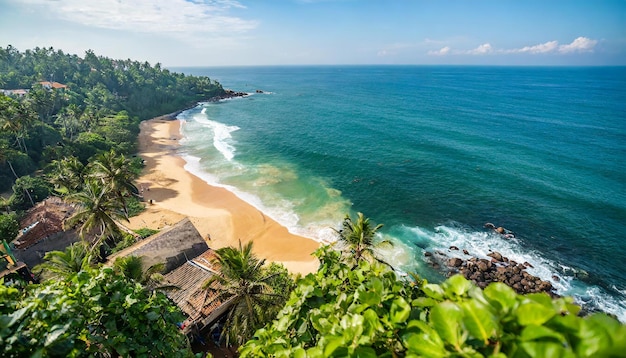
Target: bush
x,y
366,311
37,187
9,227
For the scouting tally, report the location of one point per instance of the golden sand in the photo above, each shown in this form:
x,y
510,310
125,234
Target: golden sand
x,y
175,193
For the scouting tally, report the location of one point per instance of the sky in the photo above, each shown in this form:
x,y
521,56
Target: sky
x,y
179,33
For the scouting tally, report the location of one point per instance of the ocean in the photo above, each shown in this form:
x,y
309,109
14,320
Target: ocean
x,y
433,153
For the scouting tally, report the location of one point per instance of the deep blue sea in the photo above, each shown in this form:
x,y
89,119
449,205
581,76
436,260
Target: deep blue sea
x,y
434,153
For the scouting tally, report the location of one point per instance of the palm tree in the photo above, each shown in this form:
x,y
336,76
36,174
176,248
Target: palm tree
x,y
359,238
133,268
115,170
60,265
246,285
98,210
67,175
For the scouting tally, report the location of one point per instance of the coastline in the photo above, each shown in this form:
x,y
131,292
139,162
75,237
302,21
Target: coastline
x,y
220,216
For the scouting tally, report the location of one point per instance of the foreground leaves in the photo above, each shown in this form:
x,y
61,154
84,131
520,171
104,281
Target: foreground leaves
x,y
94,312
367,311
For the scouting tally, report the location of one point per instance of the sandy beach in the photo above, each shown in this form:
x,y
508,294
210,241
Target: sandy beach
x,y
171,193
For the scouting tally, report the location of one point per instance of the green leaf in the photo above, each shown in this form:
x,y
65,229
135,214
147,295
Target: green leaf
x,y
365,352
546,349
600,333
331,345
399,311
55,332
152,316
433,291
456,286
446,319
541,333
479,320
504,295
533,313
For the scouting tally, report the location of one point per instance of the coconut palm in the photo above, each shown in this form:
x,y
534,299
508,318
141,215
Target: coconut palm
x,y
97,211
60,265
133,268
359,238
115,170
67,175
245,284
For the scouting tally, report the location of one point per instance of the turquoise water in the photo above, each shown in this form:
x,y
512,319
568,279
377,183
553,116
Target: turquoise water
x,y
434,153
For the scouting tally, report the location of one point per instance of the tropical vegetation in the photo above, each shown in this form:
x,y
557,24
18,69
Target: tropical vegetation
x,y
366,310
254,291
95,312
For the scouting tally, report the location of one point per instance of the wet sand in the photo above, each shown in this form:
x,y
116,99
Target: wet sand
x,y
220,216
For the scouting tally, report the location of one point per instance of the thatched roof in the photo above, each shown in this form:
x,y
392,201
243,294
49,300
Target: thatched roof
x,y
173,246
197,303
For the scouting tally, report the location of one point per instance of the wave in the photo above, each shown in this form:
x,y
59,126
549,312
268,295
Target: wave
x,y
562,277
222,138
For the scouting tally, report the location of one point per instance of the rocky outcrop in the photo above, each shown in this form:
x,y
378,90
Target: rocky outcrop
x,y
498,268
228,94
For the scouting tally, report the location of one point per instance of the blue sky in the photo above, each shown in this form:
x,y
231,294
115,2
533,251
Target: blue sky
x,y
296,32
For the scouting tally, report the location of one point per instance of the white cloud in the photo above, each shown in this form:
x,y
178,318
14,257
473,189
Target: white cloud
x,y
481,50
541,48
581,44
441,52
176,18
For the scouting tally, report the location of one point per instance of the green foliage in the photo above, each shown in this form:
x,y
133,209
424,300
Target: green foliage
x,y
100,110
127,240
95,312
27,188
254,291
145,232
366,311
134,206
60,265
9,227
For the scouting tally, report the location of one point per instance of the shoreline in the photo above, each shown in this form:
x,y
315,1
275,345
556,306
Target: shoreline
x,y
219,215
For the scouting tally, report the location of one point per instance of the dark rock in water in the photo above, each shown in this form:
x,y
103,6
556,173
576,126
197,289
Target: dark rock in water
x,y
556,278
428,254
259,91
465,252
527,264
499,269
454,248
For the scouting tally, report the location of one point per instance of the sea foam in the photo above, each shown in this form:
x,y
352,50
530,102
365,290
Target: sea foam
x,y
480,244
222,138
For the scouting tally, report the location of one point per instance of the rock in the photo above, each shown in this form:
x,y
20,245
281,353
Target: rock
x,y
465,252
495,255
428,253
259,91
454,248
482,266
455,262
556,278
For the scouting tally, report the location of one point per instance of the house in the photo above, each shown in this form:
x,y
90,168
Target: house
x,y
20,92
189,264
42,231
52,85
199,304
173,246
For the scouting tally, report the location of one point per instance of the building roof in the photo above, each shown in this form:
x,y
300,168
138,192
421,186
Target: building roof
x,y
55,85
173,246
199,304
43,220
